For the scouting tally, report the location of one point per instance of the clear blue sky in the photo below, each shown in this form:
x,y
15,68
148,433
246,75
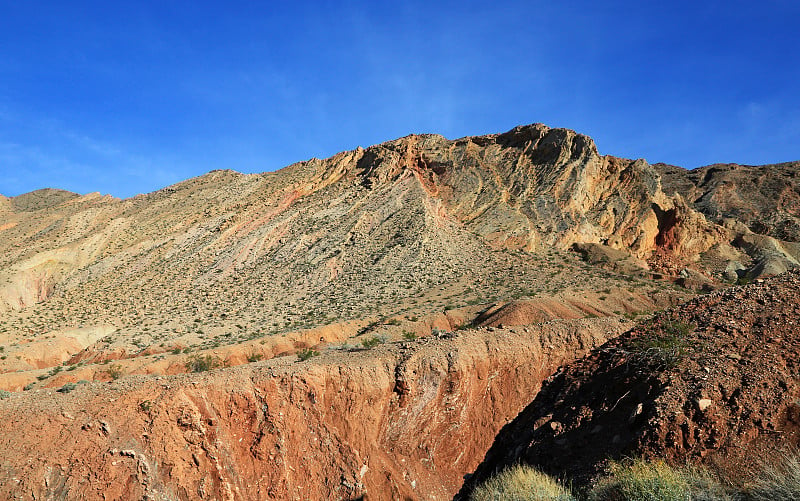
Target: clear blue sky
x,y
128,97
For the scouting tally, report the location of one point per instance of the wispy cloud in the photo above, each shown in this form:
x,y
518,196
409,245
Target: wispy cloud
x,y
70,159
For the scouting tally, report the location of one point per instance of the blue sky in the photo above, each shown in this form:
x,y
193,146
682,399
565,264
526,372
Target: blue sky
x,y
128,97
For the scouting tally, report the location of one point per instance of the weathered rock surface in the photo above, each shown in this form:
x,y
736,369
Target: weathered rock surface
x,y
758,205
529,188
766,198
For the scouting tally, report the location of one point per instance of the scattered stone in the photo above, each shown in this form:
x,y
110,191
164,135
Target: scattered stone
x,y
703,403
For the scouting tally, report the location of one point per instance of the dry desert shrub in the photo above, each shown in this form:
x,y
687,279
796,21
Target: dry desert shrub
x,y
778,479
521,483
640,480
202,363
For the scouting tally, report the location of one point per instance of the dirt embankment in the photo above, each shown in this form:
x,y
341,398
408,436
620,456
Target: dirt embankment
x,y
715,380
400,421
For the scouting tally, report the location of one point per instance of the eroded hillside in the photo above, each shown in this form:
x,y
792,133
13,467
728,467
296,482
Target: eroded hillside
x,y
408,227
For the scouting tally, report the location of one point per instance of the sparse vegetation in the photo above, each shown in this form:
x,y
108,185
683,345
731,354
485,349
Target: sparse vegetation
x,y
68,387
661,346
409,336
372,342
306,353
640,480
114,371
203,363
779,479
4,394
254,356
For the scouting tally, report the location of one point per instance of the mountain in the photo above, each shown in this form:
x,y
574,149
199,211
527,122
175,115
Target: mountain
x,y
164,328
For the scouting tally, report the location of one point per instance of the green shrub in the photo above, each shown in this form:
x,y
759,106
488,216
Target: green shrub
x,y
202,363
521,483
676,328
779,479
372,342
68,387
306,353
254,356
4,394
663,347
409,336
114,371
639,480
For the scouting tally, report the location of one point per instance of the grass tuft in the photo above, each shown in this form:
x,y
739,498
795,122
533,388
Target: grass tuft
x,y
640,480
779,479
662,348
521,483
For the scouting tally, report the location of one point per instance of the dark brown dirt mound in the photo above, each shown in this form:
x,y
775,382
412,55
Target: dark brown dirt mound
x,y
716,380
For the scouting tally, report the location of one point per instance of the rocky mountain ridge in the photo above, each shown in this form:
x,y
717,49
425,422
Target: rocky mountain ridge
x,y
530,188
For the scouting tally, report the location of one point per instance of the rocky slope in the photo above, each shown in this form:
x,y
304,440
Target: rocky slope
x,y
765,198
758,205
407,227
715,380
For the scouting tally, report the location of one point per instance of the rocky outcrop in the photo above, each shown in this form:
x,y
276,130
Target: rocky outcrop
x,y
758,206
534,187
765,198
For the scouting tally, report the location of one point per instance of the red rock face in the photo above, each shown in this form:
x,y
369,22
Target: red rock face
x,y
397,422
